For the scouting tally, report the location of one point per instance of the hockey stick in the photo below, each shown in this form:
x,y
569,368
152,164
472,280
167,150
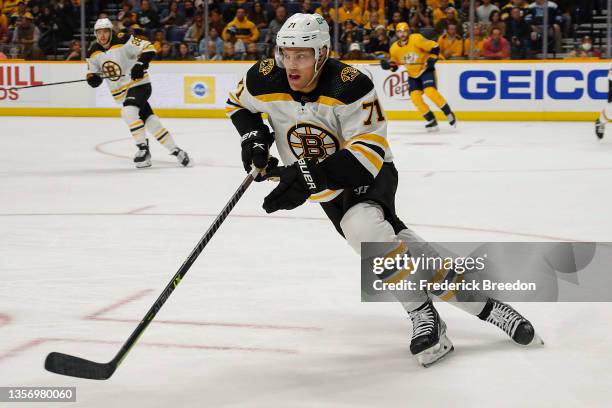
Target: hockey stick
x,y
65,364
58,83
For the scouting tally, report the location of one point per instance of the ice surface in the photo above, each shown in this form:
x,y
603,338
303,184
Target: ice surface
x,y
270,316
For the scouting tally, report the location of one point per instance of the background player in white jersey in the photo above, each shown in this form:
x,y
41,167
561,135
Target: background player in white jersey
x,y
606,113
123,60
331,133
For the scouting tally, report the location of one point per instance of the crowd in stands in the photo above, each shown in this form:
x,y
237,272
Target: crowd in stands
x,y
240,30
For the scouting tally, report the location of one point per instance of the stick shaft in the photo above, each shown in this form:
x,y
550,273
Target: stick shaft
x,y
178,276
54,83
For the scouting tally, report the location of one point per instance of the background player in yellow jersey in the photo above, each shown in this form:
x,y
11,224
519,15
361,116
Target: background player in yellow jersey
x,y
419,56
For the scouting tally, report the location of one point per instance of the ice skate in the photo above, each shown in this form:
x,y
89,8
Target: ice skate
x,y
142,158
432,126
600,128
452,120
429,341
510,321
181,156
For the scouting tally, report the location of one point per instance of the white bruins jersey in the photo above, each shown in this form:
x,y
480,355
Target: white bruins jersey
x,y
342,113
117,62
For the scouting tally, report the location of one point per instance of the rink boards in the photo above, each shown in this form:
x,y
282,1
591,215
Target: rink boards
x,y
483,90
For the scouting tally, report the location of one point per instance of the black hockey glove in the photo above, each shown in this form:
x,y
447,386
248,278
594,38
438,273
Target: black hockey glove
x,y
265,173
297,183
431,62
386,64
256,147
94,80
138,71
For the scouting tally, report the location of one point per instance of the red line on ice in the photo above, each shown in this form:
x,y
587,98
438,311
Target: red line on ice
x,y
36,342
98,316
4,319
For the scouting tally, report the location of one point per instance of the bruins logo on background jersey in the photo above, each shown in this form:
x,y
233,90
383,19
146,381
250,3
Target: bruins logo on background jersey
x,y
265,66
348,74
311,142
111,70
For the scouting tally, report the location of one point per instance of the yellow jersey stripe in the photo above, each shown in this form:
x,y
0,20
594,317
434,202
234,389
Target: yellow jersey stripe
x,y
368,154
327,100
370,137
275,97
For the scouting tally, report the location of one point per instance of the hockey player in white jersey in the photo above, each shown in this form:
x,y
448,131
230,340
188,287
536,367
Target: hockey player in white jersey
x,y
606,113
331,133
123,60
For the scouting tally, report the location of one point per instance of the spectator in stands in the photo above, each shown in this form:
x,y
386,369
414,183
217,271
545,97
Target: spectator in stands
x,y
585,49
21,10
420,15
535,17
74,52
147,17
325,7
463,13
239,49
230,8
349,11
245,29
439,13
252,53
228,52
355,53
450,18
517,34
166,53
183,53
395,20
451,44
483,12
173,16
212,51
259,16
496,47
371,24
26,35
276,24
496,22
507,9
196,31
158,39
372,7
379,44
216,21
190,11
402,8
306,7
479,39
213,37
3,19
126,11
10,6
351,34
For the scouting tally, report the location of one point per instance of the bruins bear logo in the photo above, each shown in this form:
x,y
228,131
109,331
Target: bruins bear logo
x,y
311,142
111,70
265,66
348,74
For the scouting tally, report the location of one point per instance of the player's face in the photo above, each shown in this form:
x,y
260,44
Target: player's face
x,y
103,36
299,64
402,35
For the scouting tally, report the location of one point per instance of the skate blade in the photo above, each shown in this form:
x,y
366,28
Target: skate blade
x,y
143,165
435,353
433,129
536,341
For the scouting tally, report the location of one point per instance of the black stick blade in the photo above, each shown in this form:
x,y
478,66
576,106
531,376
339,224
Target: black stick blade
x,y
65,364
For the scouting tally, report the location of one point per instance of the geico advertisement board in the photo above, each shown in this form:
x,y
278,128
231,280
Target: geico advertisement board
x,y
499,87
